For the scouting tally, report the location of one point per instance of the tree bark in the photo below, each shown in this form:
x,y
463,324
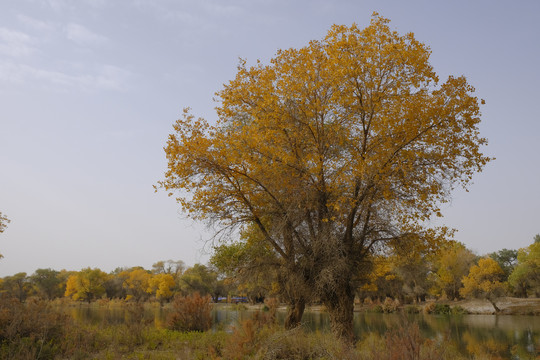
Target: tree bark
x,y
294,313
341,310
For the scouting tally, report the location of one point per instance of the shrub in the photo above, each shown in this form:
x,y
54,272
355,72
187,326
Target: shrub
x,y
442,309
190,313
368,301
429,307
404,342
389,305
437,309
30,330
458,310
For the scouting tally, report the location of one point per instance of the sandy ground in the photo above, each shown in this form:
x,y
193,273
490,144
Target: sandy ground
x,y
508,305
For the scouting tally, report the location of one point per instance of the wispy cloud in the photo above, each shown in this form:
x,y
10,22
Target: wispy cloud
x,y
15,43
105,77
217,8
83,36
63,5
34,23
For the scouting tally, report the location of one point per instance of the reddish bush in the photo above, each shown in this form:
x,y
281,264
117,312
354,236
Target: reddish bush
x,y
190,313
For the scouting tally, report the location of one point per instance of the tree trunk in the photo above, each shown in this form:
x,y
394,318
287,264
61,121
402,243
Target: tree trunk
x,y
497,310
341,310
294,313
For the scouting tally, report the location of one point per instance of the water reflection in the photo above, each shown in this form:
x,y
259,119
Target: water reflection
x,y
504,336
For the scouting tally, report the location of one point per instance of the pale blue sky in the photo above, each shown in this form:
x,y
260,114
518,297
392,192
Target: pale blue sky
x,y
89,90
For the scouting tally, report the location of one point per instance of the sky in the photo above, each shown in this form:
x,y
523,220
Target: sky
x,y
89,90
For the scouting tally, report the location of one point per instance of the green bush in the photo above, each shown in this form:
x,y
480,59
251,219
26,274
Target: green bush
x,y
442,309
458,310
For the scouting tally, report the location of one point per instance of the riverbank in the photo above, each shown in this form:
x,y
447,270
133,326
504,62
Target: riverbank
x,y
507,305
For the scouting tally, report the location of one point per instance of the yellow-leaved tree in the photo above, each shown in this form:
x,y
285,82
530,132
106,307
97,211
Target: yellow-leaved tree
x,y
332,151
137,283
162,286
485,280
86,285
453,262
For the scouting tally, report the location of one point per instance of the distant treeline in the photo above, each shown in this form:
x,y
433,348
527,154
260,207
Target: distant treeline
x,y
453,272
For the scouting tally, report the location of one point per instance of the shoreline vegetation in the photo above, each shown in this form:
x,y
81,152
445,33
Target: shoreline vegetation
x,y
39,329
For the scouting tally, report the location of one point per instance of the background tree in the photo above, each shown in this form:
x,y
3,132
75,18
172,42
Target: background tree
x,y
249,264
137,283
17,286
452,265
47,283
86,285
162,286
332,150
413,266
507,260
485,281
173,267
201,279
526,275
382,280
114,285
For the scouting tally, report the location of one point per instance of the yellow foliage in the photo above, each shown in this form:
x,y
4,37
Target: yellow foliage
x,y
137,282
358,117
162,286
484,280
86,284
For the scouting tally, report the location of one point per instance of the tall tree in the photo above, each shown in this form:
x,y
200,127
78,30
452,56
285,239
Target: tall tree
x,y
507,260
332,150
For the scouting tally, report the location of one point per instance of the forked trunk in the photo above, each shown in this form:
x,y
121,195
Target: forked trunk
x,y
294,313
